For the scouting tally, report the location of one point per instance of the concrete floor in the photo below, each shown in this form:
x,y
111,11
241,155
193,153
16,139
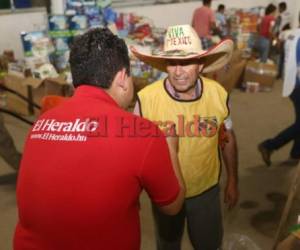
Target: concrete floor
x,y
263,190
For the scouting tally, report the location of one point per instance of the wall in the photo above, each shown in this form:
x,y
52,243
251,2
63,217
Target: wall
x,y
295,12
12,24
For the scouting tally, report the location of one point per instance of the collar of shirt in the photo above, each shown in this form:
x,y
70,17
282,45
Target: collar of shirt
x,y
94,92
175,95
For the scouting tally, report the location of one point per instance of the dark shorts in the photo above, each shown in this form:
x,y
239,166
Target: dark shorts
x,y
204,223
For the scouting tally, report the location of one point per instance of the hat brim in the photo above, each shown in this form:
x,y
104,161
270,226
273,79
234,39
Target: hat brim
x,y
213,59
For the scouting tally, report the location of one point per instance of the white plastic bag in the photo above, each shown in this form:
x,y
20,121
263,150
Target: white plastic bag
x,y
239,242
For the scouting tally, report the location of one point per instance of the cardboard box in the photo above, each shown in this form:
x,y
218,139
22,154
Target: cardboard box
x,y
262,73
291,242
139,84
33,89
230,76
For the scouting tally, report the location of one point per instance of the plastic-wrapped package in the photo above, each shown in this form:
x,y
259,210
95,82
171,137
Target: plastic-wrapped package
x,y
58,22
239,242
36,43
94,16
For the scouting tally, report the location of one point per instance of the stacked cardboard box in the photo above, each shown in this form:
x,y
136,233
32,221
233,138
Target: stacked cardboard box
x,y
33,89
231,75
262,73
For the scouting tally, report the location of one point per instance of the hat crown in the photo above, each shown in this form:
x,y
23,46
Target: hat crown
x,y
182,43
182,39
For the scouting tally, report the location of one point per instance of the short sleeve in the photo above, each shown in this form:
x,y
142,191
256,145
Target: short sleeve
x,y
228,123
157,174
228,120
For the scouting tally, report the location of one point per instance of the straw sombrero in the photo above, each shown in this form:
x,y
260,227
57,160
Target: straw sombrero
x,y
181,43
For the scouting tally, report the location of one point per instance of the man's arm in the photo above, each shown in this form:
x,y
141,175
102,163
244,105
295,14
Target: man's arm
x,y
212,21
176,205
230,157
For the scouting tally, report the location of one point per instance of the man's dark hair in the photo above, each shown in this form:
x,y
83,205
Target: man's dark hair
x,y
282,6
96,57
221,7
270,8
206,2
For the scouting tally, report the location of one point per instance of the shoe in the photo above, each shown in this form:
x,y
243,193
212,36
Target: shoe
x,y
265,154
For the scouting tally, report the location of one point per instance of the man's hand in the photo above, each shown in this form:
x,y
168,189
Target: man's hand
x,y
231,194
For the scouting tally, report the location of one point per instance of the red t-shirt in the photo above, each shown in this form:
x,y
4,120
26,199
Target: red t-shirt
x,y
203,18
265,26
84,166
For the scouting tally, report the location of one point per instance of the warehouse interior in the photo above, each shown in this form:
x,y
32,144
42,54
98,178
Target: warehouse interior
x,y
268,208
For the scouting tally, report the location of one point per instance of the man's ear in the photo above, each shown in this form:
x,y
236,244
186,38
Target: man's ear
x,y
120,79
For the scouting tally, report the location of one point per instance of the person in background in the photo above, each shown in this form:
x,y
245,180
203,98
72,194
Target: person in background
x,y
266,33
204,23
86,161
221,21
198,108
282,26
284,19
291,88
8,149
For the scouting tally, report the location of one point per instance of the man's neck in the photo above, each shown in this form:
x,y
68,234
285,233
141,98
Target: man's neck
x,y
191,94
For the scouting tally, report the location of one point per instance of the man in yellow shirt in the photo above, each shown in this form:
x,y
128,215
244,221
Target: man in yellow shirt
x,y
194,109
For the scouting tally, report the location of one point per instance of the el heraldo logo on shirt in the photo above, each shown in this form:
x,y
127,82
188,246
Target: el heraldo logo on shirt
x,y
79,129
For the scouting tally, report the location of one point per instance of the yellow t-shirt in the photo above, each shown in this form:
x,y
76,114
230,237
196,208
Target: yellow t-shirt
x,y
197,125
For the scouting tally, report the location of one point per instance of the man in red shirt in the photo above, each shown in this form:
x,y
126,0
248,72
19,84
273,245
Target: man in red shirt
x,y
203,22
87,160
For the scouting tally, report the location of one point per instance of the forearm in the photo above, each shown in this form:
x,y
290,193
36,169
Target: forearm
x,y
230,157
175,162
175,206
173,149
